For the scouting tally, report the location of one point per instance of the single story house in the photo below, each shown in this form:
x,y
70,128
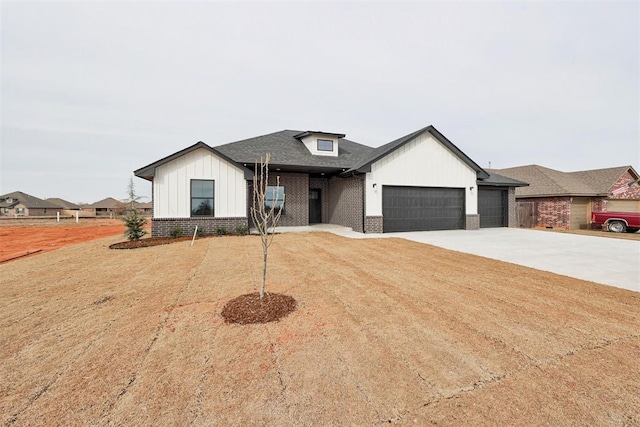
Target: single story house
x,y
556,199
421,181
68,208
22,204
105,207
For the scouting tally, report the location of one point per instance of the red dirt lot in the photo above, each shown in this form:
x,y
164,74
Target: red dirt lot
x,y
22,238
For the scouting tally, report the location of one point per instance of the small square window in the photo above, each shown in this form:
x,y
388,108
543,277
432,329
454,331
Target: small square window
x,y
325,145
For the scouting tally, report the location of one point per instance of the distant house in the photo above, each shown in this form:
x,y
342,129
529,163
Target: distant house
x,y
145,208
108,207
22,204
68,208
420,181
63,203
566,199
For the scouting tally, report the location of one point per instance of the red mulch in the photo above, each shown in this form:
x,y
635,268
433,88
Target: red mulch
x,y
152,241
249,308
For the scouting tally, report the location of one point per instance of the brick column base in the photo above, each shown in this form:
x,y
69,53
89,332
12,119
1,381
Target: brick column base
x,y
373,224
472,222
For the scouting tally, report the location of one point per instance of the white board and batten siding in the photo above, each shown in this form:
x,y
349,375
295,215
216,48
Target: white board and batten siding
x,y
423,162
172,186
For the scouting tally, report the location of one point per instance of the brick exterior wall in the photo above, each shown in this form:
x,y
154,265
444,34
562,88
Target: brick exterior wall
x,y
296,198
472,222
631,193
373,224
34,211
346,202
512,214
598,204
161,227
552,211
322,184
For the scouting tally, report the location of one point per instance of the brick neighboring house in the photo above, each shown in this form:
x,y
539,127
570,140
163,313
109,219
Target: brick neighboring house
x,y
420,181
108,207
68,208
566,199
22,204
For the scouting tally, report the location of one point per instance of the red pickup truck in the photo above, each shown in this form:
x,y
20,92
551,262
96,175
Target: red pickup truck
x,y
617,222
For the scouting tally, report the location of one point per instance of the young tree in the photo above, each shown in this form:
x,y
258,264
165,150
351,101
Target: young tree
x,y
266,210
132,219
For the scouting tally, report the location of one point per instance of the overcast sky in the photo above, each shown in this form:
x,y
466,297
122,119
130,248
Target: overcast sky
x,y
94,90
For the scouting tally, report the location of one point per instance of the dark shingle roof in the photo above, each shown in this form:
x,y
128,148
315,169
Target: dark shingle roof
x,y
289,153
27,200
287,150
365,164
501,181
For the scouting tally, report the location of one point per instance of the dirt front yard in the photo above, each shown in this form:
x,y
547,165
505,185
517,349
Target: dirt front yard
x,y
25,237
386,331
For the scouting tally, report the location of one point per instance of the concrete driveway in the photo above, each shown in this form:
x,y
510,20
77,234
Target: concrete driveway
x,y
614,262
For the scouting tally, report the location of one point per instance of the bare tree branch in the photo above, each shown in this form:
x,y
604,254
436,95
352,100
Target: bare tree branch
x,y
265,215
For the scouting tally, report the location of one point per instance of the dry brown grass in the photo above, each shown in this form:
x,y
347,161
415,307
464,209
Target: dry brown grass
x,y
385,331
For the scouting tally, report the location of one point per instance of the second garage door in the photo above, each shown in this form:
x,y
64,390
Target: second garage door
x,y
492,207
422,208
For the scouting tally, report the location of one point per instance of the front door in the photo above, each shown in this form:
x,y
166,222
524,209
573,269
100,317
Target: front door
x,y
315,206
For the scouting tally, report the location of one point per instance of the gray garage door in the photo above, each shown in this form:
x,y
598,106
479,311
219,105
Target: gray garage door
x,y
492,207
422,208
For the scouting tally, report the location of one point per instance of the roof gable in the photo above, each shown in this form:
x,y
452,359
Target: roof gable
x,y
384,150
149,171
601,180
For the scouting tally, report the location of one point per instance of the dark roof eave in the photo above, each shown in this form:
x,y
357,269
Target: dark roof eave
x,y
311,132
500,184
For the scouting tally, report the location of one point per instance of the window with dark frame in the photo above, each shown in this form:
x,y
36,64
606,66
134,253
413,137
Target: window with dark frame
x,y
202,197
274,199
325,145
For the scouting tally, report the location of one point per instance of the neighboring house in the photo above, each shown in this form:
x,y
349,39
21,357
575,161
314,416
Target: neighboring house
x,y
145,208
421,181
565,200
68,208
22,204
105,207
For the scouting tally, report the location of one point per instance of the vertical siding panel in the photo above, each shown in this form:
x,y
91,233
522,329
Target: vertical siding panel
x,y
423,162
172,185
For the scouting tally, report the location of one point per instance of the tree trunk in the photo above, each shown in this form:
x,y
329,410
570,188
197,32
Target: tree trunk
x,y
264,270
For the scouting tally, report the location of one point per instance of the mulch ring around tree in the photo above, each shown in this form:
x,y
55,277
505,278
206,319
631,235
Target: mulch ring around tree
x,y
249,308
153,241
